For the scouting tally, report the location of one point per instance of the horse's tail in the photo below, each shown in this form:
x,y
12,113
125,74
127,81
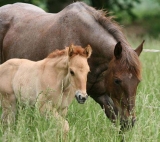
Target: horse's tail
x,y
4,26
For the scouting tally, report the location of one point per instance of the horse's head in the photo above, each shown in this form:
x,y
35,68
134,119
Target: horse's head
x,y
78,70
122,78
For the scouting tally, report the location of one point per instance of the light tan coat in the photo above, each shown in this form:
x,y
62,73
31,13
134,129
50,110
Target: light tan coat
x,y
51,83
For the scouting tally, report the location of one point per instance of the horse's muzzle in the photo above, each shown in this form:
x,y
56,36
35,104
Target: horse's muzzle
x,y
127,124
81,97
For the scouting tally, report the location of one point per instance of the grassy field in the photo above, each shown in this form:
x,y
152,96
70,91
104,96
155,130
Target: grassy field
x,y
88,122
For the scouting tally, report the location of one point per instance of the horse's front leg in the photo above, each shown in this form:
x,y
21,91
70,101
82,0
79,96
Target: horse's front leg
x,y
8,108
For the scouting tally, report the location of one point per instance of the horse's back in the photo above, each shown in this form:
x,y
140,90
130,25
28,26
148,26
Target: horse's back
x,y
33,34
13,14
19,9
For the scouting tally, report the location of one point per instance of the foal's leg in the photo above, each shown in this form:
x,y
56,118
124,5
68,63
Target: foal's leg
x,y
8,108
64,122
48,107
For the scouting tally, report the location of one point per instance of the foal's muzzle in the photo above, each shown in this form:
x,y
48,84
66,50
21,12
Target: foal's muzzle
x,y
81,97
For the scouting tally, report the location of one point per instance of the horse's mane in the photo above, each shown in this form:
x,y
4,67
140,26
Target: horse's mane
x,y
129,59
107,22
76,50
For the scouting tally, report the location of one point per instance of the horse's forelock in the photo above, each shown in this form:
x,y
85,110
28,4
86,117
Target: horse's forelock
x,y
131,62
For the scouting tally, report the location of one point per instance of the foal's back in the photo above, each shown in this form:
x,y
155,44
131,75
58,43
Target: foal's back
x,y
15,73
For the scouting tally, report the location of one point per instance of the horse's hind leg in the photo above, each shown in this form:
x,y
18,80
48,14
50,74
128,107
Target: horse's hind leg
x,y
8,108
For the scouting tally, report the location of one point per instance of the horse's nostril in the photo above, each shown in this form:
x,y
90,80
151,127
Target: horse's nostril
x,y
133,121
127,124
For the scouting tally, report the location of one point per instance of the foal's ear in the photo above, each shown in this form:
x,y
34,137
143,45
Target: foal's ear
x,y
118,50
139,49
70,50
88,51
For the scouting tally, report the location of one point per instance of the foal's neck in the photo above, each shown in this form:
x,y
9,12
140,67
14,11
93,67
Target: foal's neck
x,y
60,66
67,90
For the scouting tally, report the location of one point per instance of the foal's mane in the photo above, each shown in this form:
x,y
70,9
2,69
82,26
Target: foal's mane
x,y
76,50
57,53
129,58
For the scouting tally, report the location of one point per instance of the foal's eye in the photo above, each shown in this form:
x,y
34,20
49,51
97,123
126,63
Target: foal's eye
x,y
117,81
72,72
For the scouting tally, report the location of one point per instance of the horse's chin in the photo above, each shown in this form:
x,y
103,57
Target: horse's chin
x,y
127,124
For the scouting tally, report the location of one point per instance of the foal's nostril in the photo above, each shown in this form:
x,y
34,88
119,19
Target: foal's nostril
x,y
82,98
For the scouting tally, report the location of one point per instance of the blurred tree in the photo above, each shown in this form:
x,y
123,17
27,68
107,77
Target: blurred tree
x,y
40,3
57,5
116,6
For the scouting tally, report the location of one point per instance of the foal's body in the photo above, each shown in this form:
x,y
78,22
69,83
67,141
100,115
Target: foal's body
x,y
47,83
30,79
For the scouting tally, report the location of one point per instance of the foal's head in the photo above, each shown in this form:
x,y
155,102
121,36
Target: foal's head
x,y
78,70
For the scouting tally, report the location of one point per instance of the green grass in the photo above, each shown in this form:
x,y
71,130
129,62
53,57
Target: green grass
x,y
88,122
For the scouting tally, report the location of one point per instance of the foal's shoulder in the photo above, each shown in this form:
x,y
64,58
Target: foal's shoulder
x,y
16,62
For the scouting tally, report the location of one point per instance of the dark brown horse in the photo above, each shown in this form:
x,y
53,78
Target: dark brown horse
x,y
115,66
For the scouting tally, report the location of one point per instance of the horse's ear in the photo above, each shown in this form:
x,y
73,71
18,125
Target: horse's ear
x,y
70,50
118,50
88,51
139,49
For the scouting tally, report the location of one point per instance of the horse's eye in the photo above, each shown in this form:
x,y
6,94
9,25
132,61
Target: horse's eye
x,y
117,81
72,72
